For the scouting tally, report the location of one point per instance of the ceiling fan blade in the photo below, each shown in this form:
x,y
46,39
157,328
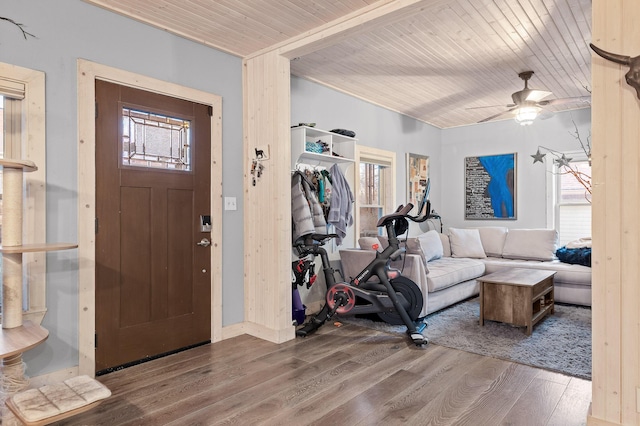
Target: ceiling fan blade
x,y
562,101
492,106
537,95
497,115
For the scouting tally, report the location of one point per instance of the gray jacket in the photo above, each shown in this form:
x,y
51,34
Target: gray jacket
x,y
340,212
306,212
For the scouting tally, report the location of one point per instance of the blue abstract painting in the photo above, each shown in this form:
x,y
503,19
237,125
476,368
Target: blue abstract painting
x,y
490,187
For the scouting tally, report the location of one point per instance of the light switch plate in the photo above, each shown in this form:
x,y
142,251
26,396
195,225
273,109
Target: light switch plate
x,y
230,203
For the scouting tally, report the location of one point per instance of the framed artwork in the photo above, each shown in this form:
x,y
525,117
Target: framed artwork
x,y
417,174
490,187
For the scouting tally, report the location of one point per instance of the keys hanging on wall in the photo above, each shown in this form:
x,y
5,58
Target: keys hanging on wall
x,y
256,170
262,154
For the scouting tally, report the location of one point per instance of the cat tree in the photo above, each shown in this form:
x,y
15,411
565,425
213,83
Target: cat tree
x,y
16,336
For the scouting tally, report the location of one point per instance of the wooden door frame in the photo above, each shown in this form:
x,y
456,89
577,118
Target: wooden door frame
x,y
88,72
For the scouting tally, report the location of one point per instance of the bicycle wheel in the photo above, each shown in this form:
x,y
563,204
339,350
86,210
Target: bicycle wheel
x,y
412,295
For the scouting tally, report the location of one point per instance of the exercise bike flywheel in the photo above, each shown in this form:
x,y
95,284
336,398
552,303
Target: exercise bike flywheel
x,y
412,294
342,294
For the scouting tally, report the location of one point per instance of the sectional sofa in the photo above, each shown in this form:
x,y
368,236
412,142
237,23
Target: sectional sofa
x,y
446,265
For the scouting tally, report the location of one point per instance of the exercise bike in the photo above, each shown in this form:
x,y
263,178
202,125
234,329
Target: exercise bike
x,y
395,299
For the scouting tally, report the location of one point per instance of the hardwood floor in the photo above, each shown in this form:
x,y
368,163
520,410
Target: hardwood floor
x,y
339,376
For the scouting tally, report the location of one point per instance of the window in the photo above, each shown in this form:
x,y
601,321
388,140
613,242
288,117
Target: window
x,y
155,141
23,103
573,200
376,188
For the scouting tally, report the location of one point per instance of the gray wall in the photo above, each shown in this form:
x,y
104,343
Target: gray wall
x,y
502,137
66,30
374,126
380,128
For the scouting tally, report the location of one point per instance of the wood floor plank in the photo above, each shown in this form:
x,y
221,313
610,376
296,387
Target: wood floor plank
x,y
210,391
435,374
536,404
573,404
217,385
235,350
319,345
459,391
346,375
360,406
494,404
250,398
337,388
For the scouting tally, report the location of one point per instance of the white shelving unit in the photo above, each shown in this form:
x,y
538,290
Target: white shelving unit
x,y
320,147
336,149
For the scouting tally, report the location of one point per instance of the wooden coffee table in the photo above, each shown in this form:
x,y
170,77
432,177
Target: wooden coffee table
x,y
517,296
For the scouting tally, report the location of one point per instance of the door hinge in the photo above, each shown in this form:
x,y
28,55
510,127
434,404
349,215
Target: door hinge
x,y
96,225
210,111
96,340
96,110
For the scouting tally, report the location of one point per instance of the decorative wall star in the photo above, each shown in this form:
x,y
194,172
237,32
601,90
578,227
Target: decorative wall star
x,y
563,161
538,156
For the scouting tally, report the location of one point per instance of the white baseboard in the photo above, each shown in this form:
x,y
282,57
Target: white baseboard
x,y
233,330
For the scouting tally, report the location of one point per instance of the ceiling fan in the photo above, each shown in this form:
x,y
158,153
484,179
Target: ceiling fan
x,y
528,103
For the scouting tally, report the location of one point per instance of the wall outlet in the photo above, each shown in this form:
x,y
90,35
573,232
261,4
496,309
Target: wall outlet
x,y
230,203
262,153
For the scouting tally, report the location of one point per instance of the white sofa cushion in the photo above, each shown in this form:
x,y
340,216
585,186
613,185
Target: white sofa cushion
x,y
530,244
565,273
466,243
446,245
448,271
493,238
431,245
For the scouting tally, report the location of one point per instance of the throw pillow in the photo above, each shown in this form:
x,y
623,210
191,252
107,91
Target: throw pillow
x,y
530,244
412,246
370,243
446,245
493,238
466,243
431,245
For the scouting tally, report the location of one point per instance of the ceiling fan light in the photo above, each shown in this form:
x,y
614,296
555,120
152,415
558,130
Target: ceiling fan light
x,y
526,115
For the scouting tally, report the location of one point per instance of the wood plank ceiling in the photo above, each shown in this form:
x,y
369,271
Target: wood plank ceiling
x,y
434,65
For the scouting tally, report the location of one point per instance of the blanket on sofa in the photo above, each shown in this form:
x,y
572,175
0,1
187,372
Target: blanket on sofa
x,y
575,256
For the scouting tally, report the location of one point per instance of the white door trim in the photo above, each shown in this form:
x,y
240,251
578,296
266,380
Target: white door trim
x,y
88,72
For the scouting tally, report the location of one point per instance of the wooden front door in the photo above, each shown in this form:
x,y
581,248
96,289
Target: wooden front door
x,y
152,187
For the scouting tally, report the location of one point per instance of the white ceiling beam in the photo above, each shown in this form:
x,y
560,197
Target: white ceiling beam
x,y
384,12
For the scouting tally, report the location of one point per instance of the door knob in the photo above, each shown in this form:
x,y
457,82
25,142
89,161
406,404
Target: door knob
x,y
204,243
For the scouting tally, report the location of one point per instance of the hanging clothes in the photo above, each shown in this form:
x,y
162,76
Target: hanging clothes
x,y
306,212
340,210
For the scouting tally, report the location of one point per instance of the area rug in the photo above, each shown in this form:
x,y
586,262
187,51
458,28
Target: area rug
x,y
560,342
